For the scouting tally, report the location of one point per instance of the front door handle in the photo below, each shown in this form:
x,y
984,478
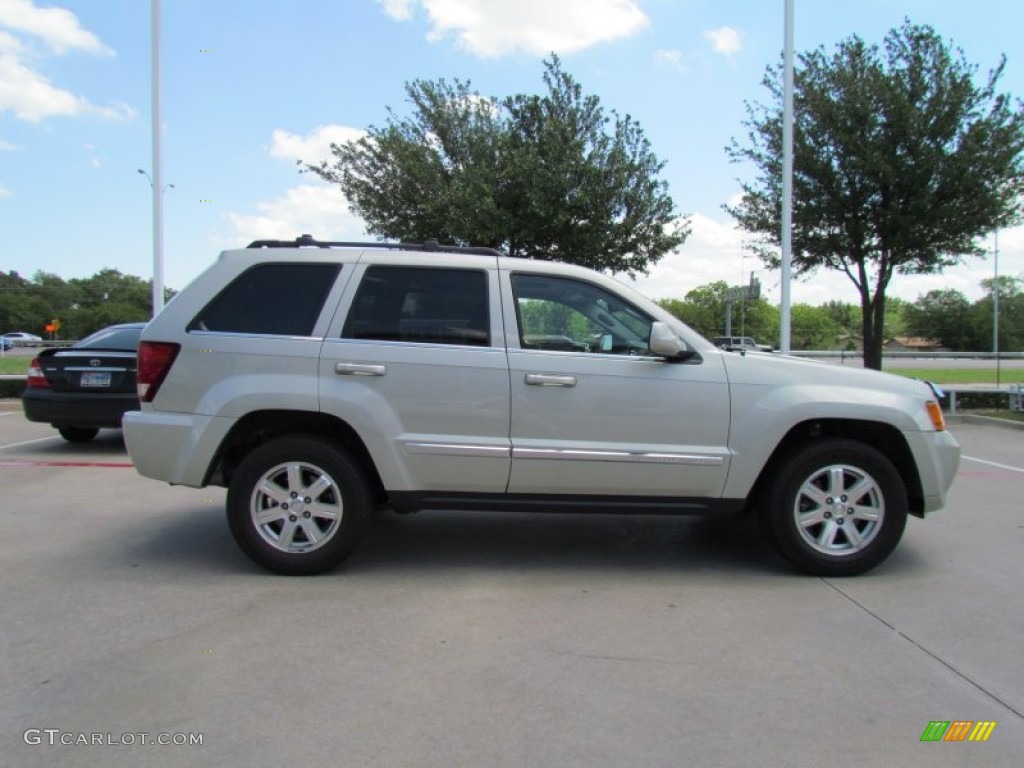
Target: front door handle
x,y
360,369
550,380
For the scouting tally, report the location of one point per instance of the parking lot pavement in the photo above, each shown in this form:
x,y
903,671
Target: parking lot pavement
x,y
494,640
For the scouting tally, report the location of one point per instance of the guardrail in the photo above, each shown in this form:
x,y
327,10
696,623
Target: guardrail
x,y
856,355
1013,393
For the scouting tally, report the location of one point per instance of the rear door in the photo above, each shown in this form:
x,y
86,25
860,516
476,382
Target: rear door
x,y
415,362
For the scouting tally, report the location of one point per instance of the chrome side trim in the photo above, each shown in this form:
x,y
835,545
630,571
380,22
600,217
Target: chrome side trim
x,y
571,454
458,449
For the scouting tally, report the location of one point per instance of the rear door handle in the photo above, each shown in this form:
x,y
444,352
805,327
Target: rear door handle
x,y
360,369
550,380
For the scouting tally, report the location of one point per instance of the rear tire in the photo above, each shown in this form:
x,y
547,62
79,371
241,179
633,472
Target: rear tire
x,y
78,434
298,506
836,508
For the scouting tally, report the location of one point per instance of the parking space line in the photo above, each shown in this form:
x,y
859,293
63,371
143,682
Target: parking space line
x,y
993,464
28,442
24,463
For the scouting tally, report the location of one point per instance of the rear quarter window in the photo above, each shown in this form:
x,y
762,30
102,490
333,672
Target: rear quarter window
x,y
271,299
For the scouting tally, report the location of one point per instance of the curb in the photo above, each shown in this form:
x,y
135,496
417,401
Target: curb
x,y
991,421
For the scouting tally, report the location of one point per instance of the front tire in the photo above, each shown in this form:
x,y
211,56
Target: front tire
x,y
837,508
298,506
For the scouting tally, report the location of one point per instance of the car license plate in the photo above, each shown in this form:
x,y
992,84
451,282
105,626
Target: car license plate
x,y
96,379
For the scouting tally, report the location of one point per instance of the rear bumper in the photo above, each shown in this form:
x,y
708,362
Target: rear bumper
x,y
78,409
177,448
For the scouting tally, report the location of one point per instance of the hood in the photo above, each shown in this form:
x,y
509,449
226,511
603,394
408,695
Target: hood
x,y
760,369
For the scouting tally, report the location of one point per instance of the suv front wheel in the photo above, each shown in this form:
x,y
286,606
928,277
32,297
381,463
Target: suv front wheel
x,y
837,508
298,506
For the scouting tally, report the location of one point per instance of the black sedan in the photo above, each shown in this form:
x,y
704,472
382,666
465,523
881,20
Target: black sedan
x,y
90,385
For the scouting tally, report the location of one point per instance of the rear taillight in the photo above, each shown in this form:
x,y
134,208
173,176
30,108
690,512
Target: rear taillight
x,y
155,360
36,378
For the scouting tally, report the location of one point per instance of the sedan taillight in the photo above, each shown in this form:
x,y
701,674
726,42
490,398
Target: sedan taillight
x,y
155,360
36,378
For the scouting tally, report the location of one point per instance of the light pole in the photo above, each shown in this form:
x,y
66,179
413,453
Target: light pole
x,y
158,243
787,179
995,307
157,181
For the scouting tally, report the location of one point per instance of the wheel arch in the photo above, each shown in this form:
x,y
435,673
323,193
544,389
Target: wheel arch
x,y
256,428
885,438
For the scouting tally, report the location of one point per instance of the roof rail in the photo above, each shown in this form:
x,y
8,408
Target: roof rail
x,y
428,245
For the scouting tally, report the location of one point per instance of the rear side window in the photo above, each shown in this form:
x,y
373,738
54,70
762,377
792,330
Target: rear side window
x,y
275,299
421,304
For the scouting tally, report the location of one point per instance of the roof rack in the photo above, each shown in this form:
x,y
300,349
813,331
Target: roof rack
x,y
304,241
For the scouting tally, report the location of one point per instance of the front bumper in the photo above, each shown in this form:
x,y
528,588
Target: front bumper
x,y
937,455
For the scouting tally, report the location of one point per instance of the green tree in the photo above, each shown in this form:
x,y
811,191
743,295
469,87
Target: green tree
x,y
545,177
1011,316
813,327
943,315
901,162
703,309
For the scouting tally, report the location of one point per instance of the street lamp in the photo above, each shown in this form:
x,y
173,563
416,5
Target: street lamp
x,y
158,243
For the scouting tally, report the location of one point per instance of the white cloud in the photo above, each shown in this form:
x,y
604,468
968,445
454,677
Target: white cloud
x,y
23,90
318,210
400,10
670,58
714,251
4,192
58,28
493,28
724,40
6,146
32,97
315,145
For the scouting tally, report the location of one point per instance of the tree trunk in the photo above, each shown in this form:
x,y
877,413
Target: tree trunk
x,y
873,310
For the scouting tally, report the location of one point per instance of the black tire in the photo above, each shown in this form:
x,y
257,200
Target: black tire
x,y
299,534
78,434
807,516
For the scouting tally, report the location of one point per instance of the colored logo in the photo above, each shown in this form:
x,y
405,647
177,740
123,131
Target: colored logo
x,y
958,730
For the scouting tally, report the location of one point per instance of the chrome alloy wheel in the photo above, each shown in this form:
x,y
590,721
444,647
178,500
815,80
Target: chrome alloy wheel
x,y
839,509
296,507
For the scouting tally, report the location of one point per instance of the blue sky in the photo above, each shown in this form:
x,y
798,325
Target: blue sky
x,y
250,86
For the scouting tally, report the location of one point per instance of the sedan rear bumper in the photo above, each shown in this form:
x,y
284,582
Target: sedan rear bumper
x,y
78,409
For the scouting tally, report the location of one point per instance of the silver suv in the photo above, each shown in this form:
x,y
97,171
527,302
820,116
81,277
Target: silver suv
x,y
317,380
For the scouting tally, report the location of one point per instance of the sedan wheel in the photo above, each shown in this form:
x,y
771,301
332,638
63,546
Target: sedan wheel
x,y
78,434
298,506
838,508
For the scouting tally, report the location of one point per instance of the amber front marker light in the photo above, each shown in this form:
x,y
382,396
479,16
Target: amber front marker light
x,y
935,413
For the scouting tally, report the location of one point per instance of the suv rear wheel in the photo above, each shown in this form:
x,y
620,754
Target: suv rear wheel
x,y
298,506
837,508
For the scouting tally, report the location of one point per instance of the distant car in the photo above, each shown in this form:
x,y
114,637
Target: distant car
x,y
90,385
740,344
21,339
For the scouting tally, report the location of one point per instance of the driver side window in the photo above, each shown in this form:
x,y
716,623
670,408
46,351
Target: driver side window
x,y
565,315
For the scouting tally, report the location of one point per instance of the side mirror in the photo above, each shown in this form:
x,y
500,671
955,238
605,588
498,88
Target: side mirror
x,y
665,343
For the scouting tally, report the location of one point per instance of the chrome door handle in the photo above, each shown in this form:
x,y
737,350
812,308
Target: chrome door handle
x,y
550,380
360,369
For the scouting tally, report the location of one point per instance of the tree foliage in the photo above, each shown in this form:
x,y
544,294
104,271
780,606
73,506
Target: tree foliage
x,y
545,177
82,305
901,162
